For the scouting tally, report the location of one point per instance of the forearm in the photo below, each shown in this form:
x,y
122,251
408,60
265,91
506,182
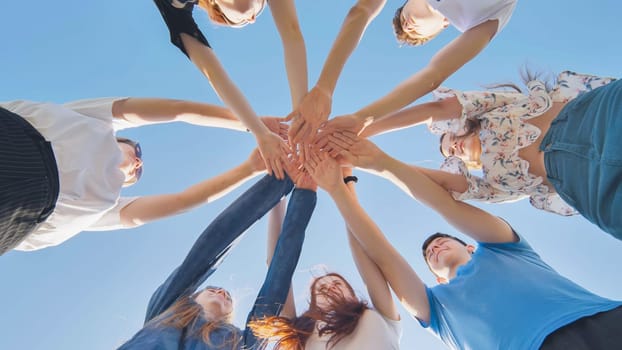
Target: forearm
x,y
150,208
207,62
351,32
406,284
143,111
418,85
277,283
296,67
416,115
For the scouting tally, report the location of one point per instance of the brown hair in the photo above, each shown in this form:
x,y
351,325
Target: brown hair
x,y
339,320
406,38
184,314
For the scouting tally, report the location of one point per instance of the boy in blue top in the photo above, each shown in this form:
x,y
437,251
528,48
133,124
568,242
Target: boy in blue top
x,y
498,296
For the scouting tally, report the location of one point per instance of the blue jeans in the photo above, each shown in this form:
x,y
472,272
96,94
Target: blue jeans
x,y
220,237
583,156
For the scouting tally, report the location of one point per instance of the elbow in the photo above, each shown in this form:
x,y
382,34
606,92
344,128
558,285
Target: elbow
x,y
366,10
434,77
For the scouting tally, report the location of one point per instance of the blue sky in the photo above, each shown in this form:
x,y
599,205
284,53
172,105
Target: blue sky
x,y
91,292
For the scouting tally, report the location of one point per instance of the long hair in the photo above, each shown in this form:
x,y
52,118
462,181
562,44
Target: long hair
x,y
185,313
338,320
471,127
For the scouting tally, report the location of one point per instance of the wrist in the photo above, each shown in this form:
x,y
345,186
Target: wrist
x,y
350,179
325,88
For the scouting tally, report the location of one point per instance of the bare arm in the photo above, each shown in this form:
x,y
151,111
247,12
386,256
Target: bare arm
x,y
425,113
479,224
144,111
316,105
408,287
275,223
446,62
372,275
286,20
272,147
150,208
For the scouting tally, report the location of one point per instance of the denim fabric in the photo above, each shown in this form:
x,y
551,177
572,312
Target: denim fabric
x,y
209,251
583,156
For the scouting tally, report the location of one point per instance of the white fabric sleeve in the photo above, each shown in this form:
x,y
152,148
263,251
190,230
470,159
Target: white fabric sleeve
x,y
100,108
112,219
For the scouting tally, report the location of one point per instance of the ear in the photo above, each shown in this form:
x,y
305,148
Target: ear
x,y
441,280
471,248
445,23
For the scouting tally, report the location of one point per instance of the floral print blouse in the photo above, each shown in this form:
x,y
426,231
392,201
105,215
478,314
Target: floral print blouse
x,y
504,131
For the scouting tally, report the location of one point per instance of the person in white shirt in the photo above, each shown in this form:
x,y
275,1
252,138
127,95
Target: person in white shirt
x,y
62,167
337,319
417,22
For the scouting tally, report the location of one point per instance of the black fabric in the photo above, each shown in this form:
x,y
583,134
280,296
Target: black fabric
x,y
180,21
28,179
602,331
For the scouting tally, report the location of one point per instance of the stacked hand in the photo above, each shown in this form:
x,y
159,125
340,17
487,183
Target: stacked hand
x,y
313,110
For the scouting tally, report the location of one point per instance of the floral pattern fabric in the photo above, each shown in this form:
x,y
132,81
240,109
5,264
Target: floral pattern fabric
x,y
504,132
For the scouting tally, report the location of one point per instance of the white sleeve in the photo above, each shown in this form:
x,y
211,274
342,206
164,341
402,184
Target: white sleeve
x,y
112,219
395,327
100,108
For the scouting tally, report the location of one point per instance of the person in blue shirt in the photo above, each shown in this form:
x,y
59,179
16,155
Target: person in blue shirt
x,y
500,295
178,317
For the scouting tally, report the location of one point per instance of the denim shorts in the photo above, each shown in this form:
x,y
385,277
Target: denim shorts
x,y
583,156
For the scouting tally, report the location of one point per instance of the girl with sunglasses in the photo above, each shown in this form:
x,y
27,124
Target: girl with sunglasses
x,y
62,167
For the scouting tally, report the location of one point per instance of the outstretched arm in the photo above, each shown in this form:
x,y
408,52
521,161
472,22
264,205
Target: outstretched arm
x,y
425,113
277,283
316,105
480,225
275,224
406,284
286,20
446,62
186,35
370,272
145,111
150,208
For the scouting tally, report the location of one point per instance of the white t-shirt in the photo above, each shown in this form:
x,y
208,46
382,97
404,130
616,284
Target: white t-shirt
x,y
373,332
82,134
466,14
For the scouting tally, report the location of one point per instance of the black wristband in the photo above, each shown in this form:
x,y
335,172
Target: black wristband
x,y
350,178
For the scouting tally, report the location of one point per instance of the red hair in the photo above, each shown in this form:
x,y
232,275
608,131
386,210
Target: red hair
x,y
338,320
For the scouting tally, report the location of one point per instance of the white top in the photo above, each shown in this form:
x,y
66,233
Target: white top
x,y
505,130
87,155
373,332
466,14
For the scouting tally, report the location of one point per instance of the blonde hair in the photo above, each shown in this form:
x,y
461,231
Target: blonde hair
x,y
406,38
185,312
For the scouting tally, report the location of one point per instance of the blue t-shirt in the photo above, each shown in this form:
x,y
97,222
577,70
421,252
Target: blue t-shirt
x,y
506,297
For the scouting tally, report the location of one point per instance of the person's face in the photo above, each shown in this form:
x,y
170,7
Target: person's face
x,y
422,26
444,254
468,148
331,285
216,302
131,162
241,12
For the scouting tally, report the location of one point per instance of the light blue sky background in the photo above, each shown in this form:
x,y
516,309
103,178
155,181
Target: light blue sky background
x,y
91,292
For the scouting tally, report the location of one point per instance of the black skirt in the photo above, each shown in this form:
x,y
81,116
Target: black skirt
x,y
28,179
